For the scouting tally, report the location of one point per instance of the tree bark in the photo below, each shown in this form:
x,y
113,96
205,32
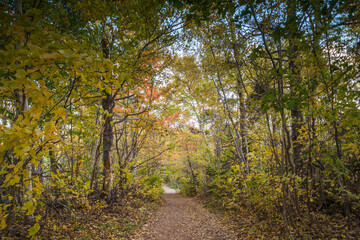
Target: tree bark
x,y
108,104
53,163
295,81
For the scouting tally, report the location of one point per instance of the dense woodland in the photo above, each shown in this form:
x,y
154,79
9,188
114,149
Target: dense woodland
x,y
252,105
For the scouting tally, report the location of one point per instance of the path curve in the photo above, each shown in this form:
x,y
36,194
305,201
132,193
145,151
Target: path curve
x,y
182,218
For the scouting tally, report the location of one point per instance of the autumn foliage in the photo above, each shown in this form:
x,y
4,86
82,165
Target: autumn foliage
x,y
253,106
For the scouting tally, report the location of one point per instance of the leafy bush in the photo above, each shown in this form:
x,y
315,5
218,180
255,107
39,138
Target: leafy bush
x,y
150,188
189,186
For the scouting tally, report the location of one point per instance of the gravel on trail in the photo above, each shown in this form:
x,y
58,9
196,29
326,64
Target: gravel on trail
x,y
182,218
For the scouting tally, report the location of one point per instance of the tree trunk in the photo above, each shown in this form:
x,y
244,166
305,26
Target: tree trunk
x,y
240,87
53,163
295,81
238,141
108,104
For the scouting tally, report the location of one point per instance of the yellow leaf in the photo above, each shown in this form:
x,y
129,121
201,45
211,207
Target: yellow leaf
x,y
60,112
3,224
37,218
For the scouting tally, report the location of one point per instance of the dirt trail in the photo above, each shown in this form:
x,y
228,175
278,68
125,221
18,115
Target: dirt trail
x,y
168,190
182,218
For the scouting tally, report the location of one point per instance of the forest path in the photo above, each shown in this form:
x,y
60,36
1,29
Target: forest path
x,y
168,190
182,218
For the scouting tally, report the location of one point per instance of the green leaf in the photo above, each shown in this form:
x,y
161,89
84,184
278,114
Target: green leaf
x,y
34,229
20,74
31,209
68,53
27,149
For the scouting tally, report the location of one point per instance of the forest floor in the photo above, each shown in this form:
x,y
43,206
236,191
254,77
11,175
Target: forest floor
x,y
183,218
98,221
176,218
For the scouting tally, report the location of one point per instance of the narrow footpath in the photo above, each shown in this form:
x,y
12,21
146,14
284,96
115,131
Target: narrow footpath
x,y
182,218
